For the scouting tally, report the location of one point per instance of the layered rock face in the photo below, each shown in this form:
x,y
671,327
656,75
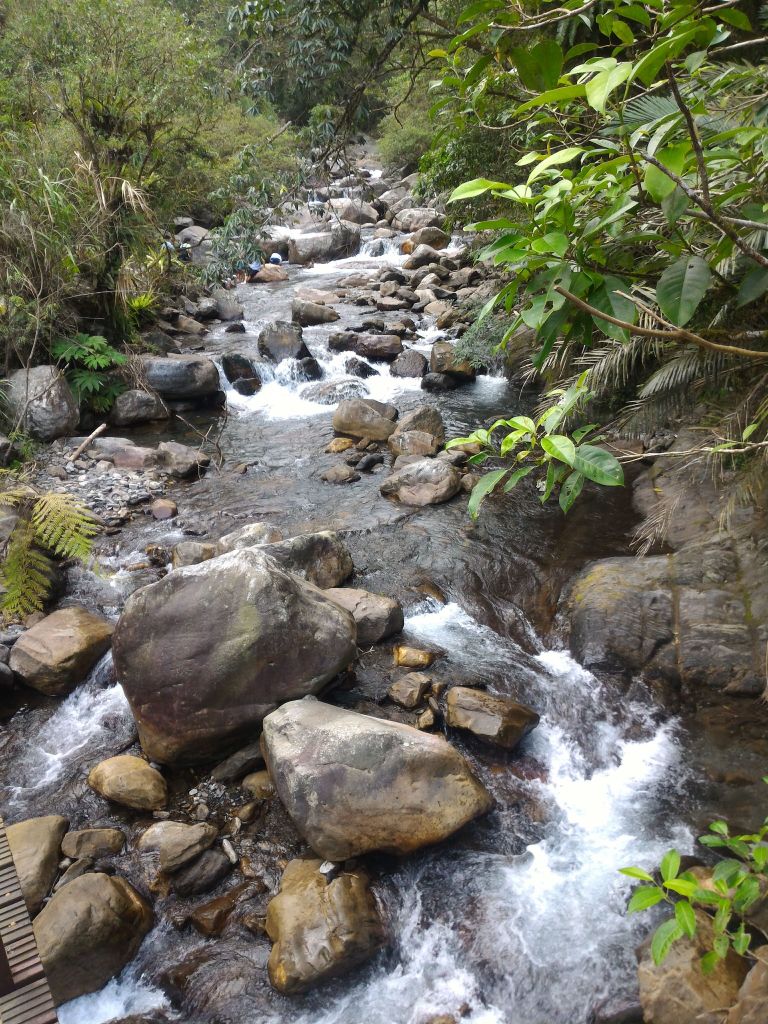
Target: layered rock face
x,y
206,653
354,784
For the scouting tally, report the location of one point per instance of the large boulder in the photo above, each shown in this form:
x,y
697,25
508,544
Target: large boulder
x,y
42,403
321,927
499,721
435,237
354,784
443,360
181,376
416,217
181,460
92,843
310,313
137,406
353,210
426,418
677,991
426,482
227,305
282,340
249,536
207,652
129,781
359,417
320,558
323,246
752,1005
413,442
88,932
178,843
378,346
376,616
59,651
409,363
422,256
35,847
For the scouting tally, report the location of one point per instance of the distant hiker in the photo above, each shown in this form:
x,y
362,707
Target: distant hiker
x,y
253,270
276,259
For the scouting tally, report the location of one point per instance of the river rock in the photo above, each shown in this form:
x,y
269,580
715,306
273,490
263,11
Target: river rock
x,y
88,932
499,721
359,368
93,843
58,652
282,340
413,442
42,403
353,210
340,475
677,991
413,657
343,341
188,325
384,347
137,406
422,256
265,636
320,928
376,616
210,919
323,246
258,786
270,274
320,558
192,552
202,874
432,236
415,218
181,376
443,359
249,536
236,366
129,781
353,784
410,690
35,845
243,761
177,843
310,313
427,482
439,382
308,368
751,1007
359,418
335,391
426,418
182,461
409,363
227,305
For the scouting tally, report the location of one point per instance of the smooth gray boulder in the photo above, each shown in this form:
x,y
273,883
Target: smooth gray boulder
x,y
42,403
353,784
416,217
426,482
353,210
409,364
378,346
426,418
309,313
357,417
204,654
137,406
181,376
376,616
282,339
323,246
320,558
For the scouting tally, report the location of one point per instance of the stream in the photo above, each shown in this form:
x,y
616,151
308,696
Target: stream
x,y
520,918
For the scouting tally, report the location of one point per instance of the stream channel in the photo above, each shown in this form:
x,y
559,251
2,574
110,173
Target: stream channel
x,y
520,918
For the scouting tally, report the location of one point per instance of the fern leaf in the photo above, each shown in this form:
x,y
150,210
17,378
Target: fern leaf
x,y
64,525
25,574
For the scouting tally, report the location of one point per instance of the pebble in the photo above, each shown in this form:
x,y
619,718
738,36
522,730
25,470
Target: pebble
x,y
229,849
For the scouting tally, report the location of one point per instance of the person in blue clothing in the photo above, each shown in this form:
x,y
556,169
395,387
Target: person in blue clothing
x,y
253,269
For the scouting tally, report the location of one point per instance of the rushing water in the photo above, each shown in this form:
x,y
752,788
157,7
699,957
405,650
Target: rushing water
x,y
521,918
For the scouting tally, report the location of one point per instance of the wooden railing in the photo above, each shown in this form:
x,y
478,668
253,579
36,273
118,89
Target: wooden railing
x,y
24,994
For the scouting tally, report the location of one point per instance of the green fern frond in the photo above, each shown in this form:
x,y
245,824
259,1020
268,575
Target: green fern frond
x,y
64,525
26,574
14,497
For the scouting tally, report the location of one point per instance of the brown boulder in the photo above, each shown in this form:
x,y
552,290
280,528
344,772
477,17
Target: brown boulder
x,y
499,721
58,652
320,928
426,482
376,616
129,781
35,846
177,843
92,842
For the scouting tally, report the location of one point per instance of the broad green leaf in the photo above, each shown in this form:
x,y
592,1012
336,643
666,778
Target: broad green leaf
x,y
674,205
516,477
476,187
564,92
539,66
644,897
663,938
570,490
559,447
553,242
604,83
636,873
721,827
482,489
753,286
522,423
564,156
741,940
648,67
599,465
511,441
657,184
738,19
473,10
670,865
686,917
747,893
682,887
681,288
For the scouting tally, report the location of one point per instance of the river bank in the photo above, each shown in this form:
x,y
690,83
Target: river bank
x,y
520,916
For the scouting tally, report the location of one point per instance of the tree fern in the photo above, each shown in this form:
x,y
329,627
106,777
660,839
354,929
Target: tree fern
x,y
26,574
64,525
